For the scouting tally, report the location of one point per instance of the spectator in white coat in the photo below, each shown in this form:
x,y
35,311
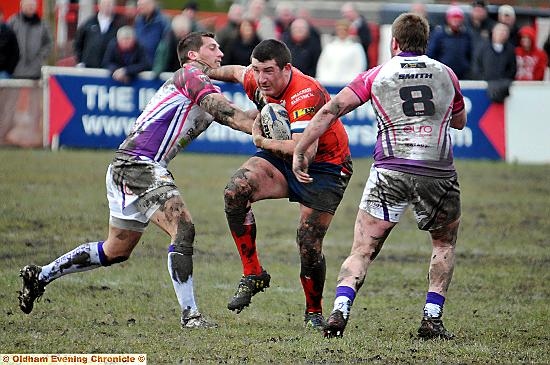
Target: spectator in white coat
x,y
342,58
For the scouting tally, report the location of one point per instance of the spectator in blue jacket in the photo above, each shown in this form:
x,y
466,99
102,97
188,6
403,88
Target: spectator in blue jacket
x,y
151,26
125,56
93,36
451,43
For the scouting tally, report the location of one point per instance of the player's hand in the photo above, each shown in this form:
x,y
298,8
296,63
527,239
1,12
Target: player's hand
x,y
300,165
120,75
257,133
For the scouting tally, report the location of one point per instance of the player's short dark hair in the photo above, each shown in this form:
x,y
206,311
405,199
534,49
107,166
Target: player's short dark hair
x,y
272,49
191,42
411,31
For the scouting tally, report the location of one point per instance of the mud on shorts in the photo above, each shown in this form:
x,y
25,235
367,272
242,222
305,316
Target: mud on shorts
x,y
136,189
326,190
435,201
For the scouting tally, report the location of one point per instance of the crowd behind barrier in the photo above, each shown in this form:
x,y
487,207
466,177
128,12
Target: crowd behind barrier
x,y
465,29
156,29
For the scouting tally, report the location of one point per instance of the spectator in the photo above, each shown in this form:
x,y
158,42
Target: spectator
x,y
342,59
303,47
507,15
241,46
125,57
93,36
496,63
151,26
284,16
531,61
359,25
265,26
313,31
546,48
225,35
190,10
34,39
479,25
419,8
9,49
166,56
451,44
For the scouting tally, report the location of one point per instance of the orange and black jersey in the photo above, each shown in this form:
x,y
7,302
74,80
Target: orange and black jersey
x,y
302,98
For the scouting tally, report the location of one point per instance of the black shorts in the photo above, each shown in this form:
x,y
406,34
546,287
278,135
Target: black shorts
x,y
326,190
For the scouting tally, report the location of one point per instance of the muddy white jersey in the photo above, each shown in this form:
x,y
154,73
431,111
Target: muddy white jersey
x,y
172,118
413,97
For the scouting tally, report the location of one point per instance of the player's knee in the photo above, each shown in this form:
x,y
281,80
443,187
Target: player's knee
x,y
445,236
238,190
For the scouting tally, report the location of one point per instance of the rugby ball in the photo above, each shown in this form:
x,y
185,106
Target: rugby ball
x,y
275,121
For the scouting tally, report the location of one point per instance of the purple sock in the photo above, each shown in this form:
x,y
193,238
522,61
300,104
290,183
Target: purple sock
x,y
435,298
101,253
345,291
434,305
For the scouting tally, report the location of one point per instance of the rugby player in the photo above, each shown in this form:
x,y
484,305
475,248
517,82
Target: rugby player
x,y
416,100
140,189
271,78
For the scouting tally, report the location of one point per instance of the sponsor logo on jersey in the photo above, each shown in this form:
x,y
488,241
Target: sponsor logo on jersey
x,y
413,65
301,95
303,91
418,129
301,112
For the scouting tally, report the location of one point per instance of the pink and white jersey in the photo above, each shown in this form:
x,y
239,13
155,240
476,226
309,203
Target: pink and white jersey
x,y
413,97
172,118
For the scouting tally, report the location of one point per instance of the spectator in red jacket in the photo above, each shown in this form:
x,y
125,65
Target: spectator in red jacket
x,y
531,61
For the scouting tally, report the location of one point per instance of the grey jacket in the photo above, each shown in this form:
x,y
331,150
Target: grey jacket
x,y
35,44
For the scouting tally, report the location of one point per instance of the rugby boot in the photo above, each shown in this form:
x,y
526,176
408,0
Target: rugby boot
x,y
32,287
249,285
336,323
315,321
431,328
194,319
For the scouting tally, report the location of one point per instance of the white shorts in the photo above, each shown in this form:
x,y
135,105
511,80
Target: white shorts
x,y
435,201
136,190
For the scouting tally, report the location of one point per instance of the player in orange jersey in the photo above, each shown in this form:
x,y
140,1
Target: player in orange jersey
x,y
271,78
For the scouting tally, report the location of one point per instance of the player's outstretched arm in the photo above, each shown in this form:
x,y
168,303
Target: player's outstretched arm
x,y
227,73
227,114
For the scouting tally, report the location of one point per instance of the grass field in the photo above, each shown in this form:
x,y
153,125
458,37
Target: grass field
x,y
498,304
